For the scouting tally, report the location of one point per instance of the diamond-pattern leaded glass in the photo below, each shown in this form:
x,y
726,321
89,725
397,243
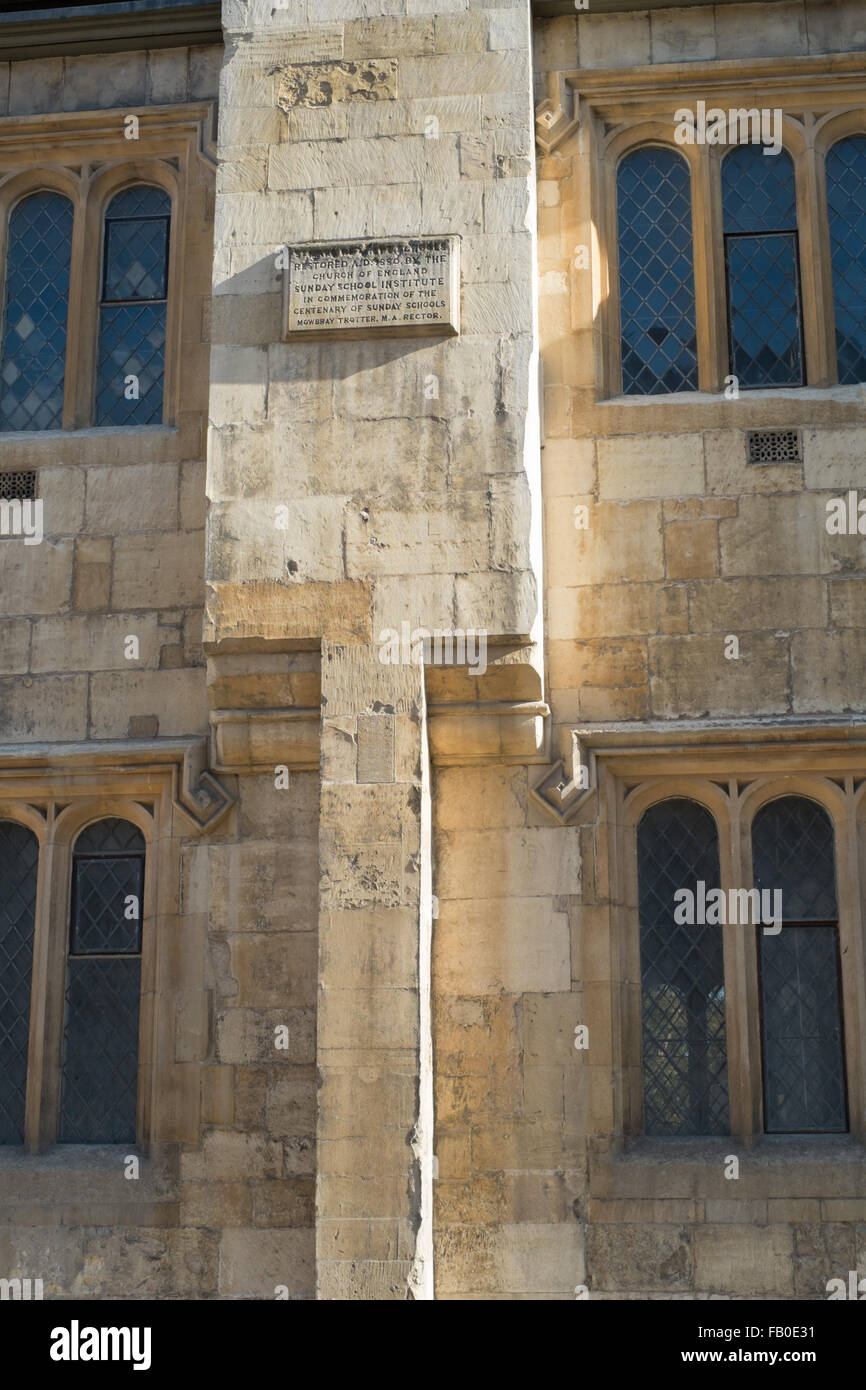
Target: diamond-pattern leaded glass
x,y
106,905
33,356
804,1077
110,836
131,343
759,205
759,192
131,358
764,309
657,294
846,204
100,1052
685,1070
135,259
100,1041
19,852
792,849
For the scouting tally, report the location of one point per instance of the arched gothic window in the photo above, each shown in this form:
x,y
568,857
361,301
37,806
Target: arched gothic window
x,y
685,1067
35,306
103,985
801,1016
132,312
846,205
762,263
19,854
657,292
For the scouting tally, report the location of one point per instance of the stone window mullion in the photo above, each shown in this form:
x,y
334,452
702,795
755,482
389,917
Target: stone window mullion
x,y
816,275
709,268
36,1056
78,346
744,1059
52,976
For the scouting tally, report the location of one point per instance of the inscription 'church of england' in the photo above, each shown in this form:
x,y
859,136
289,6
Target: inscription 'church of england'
x,y
398,286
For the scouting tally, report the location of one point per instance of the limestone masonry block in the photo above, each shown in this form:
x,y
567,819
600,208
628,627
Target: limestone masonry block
x,y
320,84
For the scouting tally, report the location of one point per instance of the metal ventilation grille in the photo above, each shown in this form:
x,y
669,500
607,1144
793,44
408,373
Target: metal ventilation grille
x,y
774,446
20,485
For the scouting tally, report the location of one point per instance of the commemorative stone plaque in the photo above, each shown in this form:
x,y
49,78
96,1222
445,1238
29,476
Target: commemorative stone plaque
x,y
397,286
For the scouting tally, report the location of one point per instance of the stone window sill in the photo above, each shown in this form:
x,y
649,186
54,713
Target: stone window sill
x,y
105,444
772,1166
844,395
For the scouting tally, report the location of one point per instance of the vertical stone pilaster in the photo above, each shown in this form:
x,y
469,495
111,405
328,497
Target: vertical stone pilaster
x,y
373,1047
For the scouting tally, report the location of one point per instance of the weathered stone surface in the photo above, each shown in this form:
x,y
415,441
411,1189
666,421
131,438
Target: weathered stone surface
x,y
294,1059
639,1258
320,84
745,1260
258,1263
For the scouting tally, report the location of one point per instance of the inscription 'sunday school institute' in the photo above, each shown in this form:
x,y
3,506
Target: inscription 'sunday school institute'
x,y
397,286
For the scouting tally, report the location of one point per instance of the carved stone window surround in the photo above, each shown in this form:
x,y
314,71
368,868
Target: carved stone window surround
x,y
56,790
732,771
86,156
596,117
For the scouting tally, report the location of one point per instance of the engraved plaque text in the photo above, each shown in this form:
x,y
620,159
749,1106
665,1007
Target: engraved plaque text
x,y
396,286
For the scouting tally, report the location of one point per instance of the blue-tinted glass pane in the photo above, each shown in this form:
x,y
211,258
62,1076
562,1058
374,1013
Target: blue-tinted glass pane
x,y
106,912
792,851
136,257
140,201
34,316
685,1068
804,1078
100,1050
758,191
846,202
131,343
657,296
19,852
764,310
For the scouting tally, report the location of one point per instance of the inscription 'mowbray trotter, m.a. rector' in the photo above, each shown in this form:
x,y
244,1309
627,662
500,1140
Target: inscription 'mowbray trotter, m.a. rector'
x,y
394,286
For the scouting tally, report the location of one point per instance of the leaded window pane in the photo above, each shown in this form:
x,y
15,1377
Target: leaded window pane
x,y
801,1012
110,836
100,1060
792,850
132,321
657,293
100,1044
759,204
685,1071
106,905
759,192
846,204
764,310
19,853
131,343
804,1077
33,352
